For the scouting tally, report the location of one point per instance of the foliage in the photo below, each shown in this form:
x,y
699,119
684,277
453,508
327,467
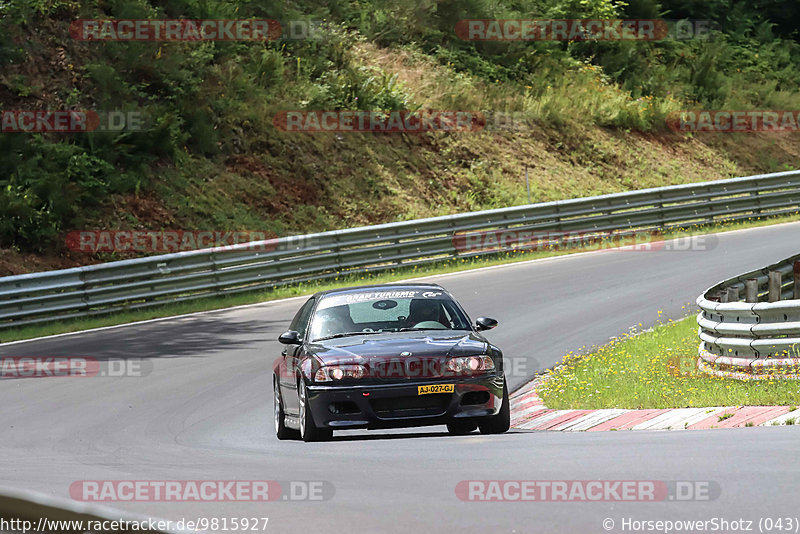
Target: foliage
x,y
212,101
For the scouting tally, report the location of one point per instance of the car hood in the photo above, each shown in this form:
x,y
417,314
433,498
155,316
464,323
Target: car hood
x,y
389,346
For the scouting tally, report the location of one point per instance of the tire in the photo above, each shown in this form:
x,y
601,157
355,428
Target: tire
x,y
281,430
459,428
308,430
497,424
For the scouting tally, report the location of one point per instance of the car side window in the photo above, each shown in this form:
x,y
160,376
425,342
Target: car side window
x,y
300,321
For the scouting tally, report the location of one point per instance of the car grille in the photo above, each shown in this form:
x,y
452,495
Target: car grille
x,y
422,405
407,369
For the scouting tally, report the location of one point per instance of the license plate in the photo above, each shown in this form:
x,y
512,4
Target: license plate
x,y
436,388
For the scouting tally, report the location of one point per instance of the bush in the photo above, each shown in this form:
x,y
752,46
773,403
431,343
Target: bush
x,y
50,187
216,99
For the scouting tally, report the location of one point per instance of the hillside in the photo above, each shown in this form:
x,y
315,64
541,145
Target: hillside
x,y
211,157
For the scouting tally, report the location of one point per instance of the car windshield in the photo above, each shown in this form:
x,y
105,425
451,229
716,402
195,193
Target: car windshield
x,y
363,313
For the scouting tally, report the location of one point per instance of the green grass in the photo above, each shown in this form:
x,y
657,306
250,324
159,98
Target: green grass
x,y
655,369
308,288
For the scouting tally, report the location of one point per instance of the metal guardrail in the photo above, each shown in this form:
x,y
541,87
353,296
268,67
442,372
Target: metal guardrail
x,y
27,511
759,338
150,281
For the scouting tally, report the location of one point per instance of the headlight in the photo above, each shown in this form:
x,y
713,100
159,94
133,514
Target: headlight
x,y
470,364
331,373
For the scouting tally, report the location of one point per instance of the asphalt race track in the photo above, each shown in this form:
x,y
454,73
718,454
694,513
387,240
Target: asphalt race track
x,y
204,412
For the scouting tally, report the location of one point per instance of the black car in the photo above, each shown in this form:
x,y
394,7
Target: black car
x,y
387,356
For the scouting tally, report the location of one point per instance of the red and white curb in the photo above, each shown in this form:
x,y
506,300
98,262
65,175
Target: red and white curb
x,y
528,412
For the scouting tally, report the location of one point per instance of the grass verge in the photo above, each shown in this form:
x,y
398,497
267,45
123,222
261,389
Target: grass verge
x,y
655,369
307,288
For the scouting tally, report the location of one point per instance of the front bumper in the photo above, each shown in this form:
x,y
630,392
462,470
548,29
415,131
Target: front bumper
x,y
399,404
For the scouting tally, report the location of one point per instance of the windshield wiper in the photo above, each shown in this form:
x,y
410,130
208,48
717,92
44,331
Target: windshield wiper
x,y
345,334
412,329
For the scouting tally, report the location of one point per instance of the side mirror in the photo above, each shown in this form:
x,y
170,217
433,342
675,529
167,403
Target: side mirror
x,y
290,337
485,323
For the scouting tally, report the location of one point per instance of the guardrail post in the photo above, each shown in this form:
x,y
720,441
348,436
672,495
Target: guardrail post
x,y
84,294
212,257
733,294
796,280
751,290
756,211
337,249
452,231
774,286
558,227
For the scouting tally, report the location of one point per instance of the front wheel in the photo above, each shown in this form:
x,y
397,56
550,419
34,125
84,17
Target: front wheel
x,y
308,430
459,428
281,430
497,424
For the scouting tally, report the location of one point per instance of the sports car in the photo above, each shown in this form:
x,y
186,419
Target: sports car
x,y
387,356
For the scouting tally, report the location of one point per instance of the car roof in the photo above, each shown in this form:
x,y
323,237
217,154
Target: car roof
x,y
373,287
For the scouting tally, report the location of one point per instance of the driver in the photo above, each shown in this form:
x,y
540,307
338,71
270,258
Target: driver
x,y
335,320
422,310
